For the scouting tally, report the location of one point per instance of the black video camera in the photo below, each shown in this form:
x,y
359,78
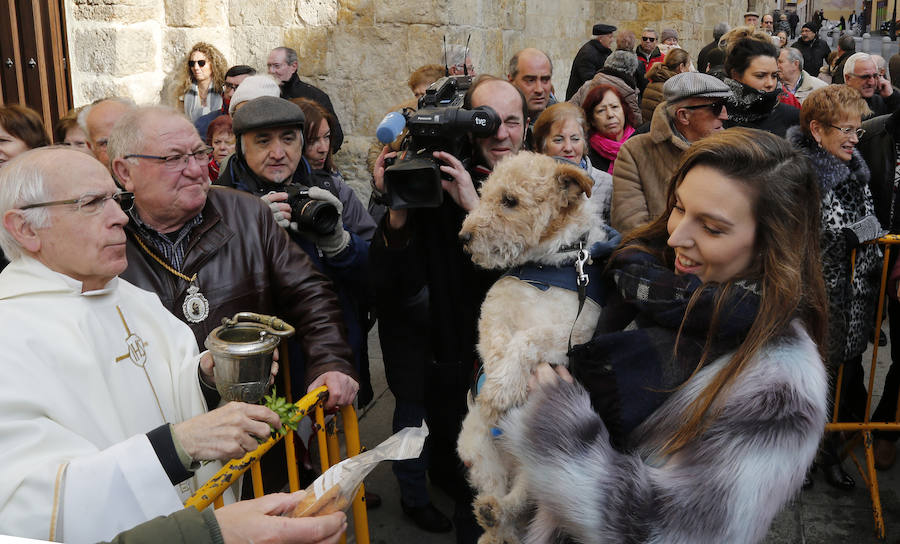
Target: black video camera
x,y
440,124
310,214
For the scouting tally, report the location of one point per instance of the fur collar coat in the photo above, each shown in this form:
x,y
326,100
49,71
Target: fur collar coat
x,y
845,199
727,486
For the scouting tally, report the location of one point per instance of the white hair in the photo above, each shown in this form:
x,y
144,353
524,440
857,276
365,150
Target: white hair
x,y
850,65
128,134
22,182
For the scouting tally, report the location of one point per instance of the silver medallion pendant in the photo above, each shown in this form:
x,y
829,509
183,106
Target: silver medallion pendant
x,y
195,306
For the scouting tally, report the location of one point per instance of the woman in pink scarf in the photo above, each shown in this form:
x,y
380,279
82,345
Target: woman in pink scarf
x,y
610,125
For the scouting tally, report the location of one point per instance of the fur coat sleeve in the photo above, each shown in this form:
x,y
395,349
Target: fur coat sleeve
x,y
727,486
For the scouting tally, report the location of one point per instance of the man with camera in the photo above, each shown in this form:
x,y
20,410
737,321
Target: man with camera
x,y
416,252
210,253
328,223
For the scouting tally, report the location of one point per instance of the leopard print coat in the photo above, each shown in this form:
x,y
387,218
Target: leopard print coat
x,y
845,199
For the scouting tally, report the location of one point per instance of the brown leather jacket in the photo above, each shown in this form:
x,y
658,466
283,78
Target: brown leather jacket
x,y
245,262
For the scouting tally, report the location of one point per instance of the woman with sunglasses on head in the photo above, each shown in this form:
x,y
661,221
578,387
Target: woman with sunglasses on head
x,y
828,133
199,82
751,64
702,397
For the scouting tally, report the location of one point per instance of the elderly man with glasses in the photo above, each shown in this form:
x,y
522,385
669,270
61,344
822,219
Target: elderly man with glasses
x,y
694,108
210,253
103,421
861,73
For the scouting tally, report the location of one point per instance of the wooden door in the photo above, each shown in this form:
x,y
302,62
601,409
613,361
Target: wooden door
x,y
34,57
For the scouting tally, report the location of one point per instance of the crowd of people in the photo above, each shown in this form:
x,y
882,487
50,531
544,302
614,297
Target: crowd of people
x,y
744,179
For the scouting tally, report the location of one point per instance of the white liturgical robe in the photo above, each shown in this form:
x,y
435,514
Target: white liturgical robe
x,y
84,376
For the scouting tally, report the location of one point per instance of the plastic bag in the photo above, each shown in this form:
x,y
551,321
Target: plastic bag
x,y
334,490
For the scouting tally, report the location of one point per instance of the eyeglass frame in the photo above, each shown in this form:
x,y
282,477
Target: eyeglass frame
x,y
847,131
183,158
874,76
716,107
647,39
125,199
200,62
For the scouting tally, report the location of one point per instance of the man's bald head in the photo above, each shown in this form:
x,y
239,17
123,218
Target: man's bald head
x,y
531,71
99,121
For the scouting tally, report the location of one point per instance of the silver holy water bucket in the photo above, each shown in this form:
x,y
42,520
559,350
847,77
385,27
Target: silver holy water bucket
x,y
242,351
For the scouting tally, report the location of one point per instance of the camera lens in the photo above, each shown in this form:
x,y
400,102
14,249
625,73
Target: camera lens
x,y
318,216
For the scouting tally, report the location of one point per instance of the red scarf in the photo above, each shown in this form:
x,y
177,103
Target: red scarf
x,y
213,170
608,148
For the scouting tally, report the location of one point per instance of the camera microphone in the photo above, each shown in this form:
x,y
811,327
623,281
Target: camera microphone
x,y
390,127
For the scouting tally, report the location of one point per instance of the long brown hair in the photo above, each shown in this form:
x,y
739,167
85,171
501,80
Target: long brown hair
x,y
315,115
788,269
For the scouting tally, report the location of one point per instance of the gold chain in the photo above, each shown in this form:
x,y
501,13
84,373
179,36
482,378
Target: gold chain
x,y
162,262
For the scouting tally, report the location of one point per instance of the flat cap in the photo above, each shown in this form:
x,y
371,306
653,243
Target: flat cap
x,y
694,85
267,112
601,29
751,14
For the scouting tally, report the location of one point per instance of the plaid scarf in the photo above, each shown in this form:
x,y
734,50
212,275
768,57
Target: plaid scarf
x,y
631,365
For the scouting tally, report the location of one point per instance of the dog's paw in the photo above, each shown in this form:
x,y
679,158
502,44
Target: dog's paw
x,y
487,511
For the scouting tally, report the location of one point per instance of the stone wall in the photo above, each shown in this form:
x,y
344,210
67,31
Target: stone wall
x,y
360,52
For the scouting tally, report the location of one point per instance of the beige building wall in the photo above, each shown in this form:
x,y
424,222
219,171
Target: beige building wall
x,y
360,52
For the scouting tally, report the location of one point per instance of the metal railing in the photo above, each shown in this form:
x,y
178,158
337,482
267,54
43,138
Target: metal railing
x,y
329,454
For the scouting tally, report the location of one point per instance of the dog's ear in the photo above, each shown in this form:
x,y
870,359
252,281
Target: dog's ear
x,y
573,181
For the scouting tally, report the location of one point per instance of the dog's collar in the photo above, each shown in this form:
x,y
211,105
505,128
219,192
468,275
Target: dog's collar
x,y
577,245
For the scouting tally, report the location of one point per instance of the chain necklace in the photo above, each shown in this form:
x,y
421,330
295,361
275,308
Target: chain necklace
x,y
195,306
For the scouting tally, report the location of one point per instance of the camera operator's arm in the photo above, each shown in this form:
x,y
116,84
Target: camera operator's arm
x,y
461,189
396,218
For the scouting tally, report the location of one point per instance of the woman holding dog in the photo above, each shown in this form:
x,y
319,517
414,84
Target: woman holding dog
x,y
705,372
559,132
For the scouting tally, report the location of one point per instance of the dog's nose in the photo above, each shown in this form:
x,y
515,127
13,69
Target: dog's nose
x,y
465,237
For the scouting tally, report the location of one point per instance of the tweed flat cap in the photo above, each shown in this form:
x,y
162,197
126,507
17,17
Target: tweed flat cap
x,y
751,14
694,85
601,29
266,112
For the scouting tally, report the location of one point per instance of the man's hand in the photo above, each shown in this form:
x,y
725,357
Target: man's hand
x,y
461,189
259,521
396,218
280,208
226,433
885,89
342,388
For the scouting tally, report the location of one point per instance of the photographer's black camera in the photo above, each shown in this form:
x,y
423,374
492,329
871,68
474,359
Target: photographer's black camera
x,y
310,214
440,124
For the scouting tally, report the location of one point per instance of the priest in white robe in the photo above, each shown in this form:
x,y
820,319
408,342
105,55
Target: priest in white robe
x,y
103,422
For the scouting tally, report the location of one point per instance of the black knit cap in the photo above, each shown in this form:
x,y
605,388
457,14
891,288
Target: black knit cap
x,y
267,112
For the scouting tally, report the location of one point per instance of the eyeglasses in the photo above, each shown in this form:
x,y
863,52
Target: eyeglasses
x,y
647,39
201,63
230,86
179,161
715,107
865,76
90,204
847,131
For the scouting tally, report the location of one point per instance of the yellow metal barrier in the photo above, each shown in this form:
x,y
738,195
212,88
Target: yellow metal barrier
x,y
865,427
329,452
